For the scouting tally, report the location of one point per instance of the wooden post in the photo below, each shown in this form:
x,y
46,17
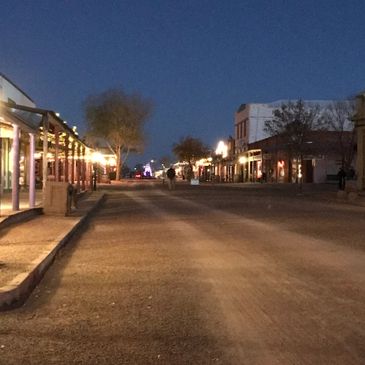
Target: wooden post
x,y
66,170
73,162
45,153
31,170
57,154
16,168
83,168
78,168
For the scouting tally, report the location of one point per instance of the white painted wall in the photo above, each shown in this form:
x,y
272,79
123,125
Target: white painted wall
x,y
322,168
258,114
320,171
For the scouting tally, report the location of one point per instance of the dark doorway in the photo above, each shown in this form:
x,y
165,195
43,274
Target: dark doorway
x,y
308,171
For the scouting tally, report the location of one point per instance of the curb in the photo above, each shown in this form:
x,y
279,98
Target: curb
x,y
18,290
20,217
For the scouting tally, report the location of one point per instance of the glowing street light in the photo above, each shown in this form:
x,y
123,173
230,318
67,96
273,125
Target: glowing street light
x,y
222,149
97,157
242,160
112,161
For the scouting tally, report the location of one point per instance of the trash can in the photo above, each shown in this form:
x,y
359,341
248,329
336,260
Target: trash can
x,y
58,198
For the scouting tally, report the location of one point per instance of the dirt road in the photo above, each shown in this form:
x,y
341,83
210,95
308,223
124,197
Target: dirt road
x,y
200,276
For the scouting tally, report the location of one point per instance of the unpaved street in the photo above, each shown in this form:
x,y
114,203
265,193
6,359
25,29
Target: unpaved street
x,y
201,275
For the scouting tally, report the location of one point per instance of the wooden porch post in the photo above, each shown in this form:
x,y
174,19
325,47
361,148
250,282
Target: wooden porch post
x,y
78,167
31,170
16,168
73,163
45,153
57,154
83,168
66,170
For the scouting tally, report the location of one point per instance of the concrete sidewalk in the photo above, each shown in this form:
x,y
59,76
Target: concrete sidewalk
x,y
6,201
28,248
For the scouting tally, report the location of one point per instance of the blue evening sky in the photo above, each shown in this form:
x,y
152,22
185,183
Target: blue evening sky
x,y
198,60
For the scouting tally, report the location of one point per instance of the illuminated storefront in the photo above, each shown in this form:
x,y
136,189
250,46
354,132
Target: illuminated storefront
x,y
249,166
5,160
223,162
37,146
270,160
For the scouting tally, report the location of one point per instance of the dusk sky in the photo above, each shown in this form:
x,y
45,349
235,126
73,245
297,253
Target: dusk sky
x,y
197,60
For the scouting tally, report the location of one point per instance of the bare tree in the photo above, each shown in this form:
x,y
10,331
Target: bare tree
x,y
293,122
118,118
165,161
337,117
190,150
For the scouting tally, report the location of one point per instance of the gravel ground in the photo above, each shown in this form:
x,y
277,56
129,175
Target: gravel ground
x,y
201,275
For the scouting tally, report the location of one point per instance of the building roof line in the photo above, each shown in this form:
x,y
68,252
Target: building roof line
x,y
44,112
24,123
17,87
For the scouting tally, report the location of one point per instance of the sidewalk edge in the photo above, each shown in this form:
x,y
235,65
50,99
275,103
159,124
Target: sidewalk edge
x,y
13,296
20,217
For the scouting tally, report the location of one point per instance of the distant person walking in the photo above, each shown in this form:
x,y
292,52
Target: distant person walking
x,y
171,178
341,179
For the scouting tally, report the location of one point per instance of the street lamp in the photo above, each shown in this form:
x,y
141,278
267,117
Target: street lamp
x,y
96,158
242,160
222,149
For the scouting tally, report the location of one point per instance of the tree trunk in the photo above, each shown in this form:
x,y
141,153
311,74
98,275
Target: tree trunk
x,y
190,174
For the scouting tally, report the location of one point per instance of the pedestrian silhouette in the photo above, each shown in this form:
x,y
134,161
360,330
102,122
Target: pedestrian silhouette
x,y
171,174
341,178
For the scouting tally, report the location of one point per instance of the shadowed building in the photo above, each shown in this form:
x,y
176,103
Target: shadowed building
x,y
261,157
359,120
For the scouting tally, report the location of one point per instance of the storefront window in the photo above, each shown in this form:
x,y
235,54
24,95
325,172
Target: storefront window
x,y
281,170
5,175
